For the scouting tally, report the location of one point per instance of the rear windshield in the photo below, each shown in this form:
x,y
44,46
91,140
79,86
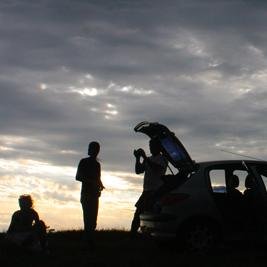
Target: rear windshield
x,y
175,152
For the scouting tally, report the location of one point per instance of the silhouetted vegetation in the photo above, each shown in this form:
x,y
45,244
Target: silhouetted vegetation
x,y
116,248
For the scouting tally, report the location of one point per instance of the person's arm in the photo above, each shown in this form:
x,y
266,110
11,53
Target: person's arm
x,y
79,175
35,216
12,224
101,186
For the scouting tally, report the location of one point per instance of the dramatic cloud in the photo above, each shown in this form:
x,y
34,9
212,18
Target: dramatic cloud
x,y
76,71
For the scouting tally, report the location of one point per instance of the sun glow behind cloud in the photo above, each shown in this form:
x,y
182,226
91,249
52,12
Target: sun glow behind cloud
x,y
86,91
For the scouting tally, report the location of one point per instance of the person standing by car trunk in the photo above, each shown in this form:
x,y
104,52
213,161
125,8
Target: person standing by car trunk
x,y
153,168
88,173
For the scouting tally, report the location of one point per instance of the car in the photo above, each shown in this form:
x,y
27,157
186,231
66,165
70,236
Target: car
x,y
203,203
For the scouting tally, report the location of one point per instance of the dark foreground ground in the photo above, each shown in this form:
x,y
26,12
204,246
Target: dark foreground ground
x,y
115,248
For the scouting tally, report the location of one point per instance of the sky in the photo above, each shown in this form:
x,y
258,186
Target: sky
x,y
76,71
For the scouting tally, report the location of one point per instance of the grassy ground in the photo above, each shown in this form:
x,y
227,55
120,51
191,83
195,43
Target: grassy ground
x,y
115,248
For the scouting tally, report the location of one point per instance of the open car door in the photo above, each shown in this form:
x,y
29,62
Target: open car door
x,y
171,147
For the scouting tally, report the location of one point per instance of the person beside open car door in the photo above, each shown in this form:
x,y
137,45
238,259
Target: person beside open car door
x,y
153,167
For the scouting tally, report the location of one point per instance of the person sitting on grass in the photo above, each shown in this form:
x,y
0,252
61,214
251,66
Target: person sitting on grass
x,y
26,229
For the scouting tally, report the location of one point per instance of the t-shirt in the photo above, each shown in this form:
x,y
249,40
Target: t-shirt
x,y
22,220
88,173
152,177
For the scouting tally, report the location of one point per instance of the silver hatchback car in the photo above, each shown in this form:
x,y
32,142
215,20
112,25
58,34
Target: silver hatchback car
x,y
206,202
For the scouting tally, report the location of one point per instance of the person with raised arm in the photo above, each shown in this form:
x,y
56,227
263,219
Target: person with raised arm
x,y
153,167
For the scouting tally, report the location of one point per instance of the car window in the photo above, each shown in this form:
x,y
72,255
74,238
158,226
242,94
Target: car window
x,y
262,171
217,180
241,174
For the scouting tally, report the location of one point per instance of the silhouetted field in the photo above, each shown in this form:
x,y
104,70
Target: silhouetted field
x,y
115,248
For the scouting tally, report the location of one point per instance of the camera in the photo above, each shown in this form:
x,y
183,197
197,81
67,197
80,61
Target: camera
x,y
139,152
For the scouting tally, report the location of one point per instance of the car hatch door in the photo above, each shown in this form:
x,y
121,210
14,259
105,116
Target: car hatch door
x,y
171,146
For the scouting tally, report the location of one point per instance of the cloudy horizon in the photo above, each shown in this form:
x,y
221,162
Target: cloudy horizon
x,y
77,71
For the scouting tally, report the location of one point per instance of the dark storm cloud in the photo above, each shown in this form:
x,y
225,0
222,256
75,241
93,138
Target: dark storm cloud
x,y
182,63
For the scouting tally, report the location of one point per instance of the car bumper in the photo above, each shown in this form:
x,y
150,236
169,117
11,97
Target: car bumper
x,y
160,226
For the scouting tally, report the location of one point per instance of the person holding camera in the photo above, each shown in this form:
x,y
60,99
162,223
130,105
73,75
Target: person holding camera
x,y
153,168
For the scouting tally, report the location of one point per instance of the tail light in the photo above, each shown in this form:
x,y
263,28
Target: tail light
x,y
173,199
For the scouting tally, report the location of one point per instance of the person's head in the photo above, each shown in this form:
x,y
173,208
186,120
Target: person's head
x,y
249,182
154,147
93,149
25,202
233,181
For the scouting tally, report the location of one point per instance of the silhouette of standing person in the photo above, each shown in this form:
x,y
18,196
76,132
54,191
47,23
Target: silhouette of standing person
x,y
89,173
153,168
26,229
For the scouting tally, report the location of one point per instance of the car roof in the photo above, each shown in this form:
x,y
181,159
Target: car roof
x,y
226,162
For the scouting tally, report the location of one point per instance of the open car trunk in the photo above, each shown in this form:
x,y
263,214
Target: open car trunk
x,y
173,150
171,147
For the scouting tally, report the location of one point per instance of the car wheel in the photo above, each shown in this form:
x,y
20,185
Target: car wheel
x,y
200,237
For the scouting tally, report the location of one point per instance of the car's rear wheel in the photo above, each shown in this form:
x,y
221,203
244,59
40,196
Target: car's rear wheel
x,y
199,237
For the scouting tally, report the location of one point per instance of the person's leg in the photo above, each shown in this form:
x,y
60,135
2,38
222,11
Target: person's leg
x,y
85,207
136,221
20,239
40,230
139,209
94,212
90,211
